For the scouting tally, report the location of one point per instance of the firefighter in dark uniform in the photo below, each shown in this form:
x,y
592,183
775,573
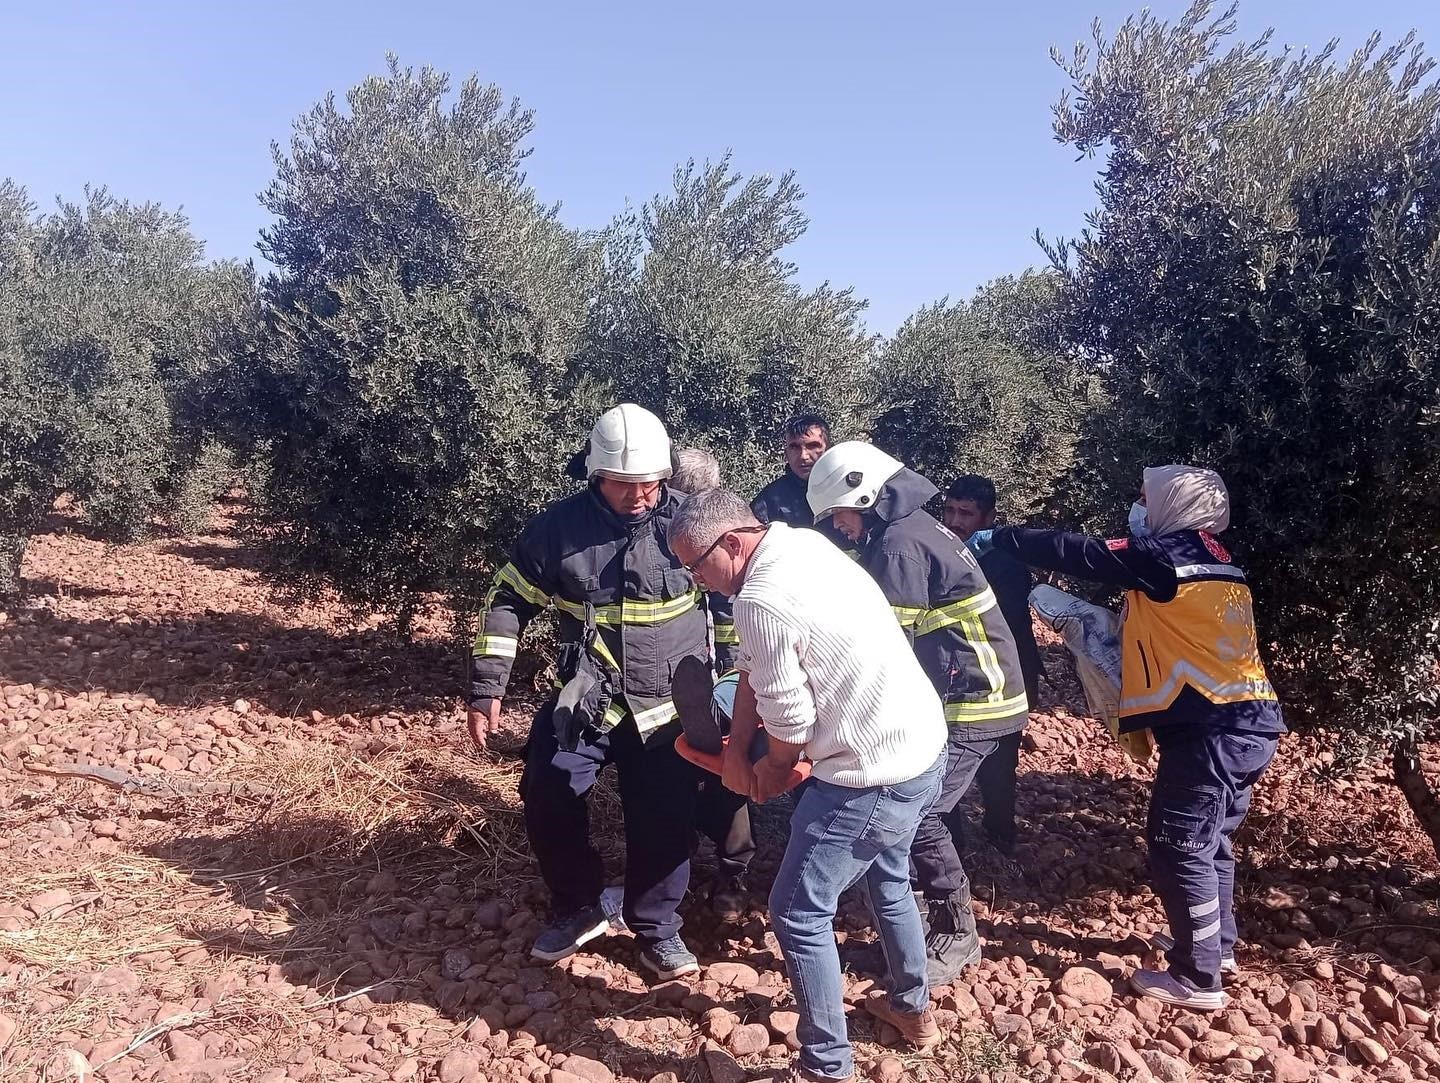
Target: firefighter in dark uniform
x,y
1191,673
628,612
948,610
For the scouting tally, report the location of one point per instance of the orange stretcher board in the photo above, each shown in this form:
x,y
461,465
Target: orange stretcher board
x,y
711,761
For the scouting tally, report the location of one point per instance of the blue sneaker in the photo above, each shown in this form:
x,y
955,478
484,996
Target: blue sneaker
x,y
568,934
668,959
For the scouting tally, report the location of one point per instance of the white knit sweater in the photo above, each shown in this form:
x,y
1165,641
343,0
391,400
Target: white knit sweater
x,y
830,666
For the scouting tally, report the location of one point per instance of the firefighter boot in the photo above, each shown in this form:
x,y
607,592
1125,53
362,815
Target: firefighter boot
x,y
952,943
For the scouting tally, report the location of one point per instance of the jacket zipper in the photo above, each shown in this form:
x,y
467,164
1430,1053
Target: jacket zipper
x,y
1144,661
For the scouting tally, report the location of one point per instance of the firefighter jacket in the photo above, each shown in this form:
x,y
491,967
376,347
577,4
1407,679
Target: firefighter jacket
x,y
647,610
942,600
1189,652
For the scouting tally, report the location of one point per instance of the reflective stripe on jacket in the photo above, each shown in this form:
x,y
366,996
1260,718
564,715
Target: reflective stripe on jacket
x,y
648,611
1190,655
942,600
1203,638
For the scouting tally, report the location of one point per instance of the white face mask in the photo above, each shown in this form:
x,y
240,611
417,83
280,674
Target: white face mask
x,y
1138,525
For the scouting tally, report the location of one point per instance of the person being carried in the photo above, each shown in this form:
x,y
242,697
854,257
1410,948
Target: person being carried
x,y
628,613
941,599
720,815
826,668
1191,673
970,506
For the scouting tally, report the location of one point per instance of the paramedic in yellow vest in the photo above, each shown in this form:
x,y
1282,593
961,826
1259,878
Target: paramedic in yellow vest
x,y
1191,673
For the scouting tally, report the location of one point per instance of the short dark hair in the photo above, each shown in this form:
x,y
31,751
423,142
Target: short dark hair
x,y
973,487
800,424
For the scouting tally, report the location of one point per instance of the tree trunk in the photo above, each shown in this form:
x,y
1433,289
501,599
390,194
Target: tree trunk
x,y
1417,790
12,556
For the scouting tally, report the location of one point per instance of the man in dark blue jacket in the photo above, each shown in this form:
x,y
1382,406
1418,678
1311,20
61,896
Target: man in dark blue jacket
x,y
629,613
970,506
806,437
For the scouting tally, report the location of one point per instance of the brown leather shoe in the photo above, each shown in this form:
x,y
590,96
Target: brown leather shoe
x,y
917,1028
796,1074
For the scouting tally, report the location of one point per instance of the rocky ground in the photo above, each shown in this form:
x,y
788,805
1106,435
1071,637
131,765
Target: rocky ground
x,y
321,881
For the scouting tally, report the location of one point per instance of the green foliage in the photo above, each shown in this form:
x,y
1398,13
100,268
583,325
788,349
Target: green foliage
x,y
700,319
414,388
211,471
109,321
1260,288
971,388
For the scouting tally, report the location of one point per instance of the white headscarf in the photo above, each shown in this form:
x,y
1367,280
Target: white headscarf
x,y
1185,498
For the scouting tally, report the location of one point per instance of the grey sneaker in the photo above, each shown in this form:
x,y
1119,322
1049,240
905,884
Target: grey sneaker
x,y
1169,989
668,959
568,934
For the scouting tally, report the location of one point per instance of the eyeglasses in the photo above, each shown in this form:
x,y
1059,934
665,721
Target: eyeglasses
x,y
713,545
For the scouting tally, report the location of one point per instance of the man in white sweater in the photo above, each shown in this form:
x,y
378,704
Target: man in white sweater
x,y
826,667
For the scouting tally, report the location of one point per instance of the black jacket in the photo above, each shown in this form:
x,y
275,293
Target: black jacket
x,y
648,610
945,605
1011,581
783,501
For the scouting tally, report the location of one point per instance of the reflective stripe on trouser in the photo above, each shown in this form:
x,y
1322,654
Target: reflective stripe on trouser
x,y
1201,795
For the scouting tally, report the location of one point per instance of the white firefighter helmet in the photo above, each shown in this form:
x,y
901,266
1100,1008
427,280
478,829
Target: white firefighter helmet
x,y
849,475
628,443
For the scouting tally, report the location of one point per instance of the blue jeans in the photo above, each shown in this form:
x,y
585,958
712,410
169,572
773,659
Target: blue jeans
x,y
1201,795
838,836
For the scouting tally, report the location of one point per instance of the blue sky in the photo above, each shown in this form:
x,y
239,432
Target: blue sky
x,y
920,131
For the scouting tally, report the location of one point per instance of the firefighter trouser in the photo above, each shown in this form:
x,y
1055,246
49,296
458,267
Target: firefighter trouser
x,y
1201,795
723,817
995,780
657,796
938,870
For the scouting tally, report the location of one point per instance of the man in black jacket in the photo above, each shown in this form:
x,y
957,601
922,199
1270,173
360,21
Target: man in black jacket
x,y
941,599
806,437
970,506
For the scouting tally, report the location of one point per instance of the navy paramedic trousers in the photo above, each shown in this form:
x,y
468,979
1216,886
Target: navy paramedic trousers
x,y
1201,795
657,796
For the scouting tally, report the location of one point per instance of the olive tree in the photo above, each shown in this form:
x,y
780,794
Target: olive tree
x,y
414,385
1260,290
700,319
110,324
975,387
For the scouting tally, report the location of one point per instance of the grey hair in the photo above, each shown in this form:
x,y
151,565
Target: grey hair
x,y
695,471
705,516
